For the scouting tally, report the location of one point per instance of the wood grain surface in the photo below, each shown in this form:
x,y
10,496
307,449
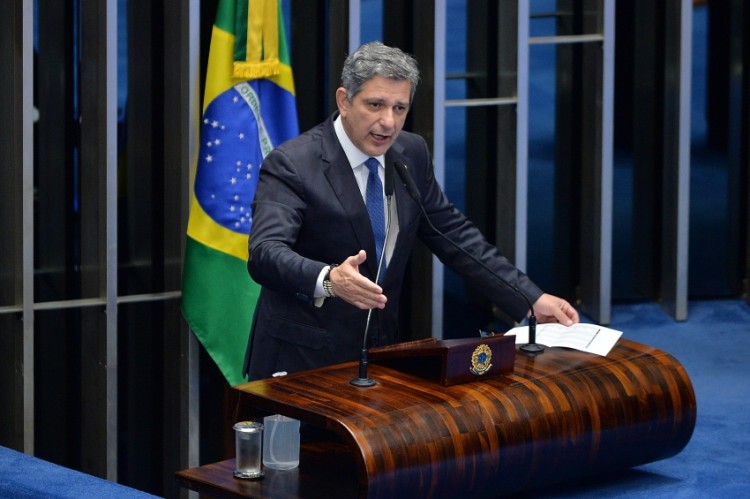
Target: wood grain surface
x,y
558,416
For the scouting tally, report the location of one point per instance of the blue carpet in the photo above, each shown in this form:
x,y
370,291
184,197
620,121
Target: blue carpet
x,y
23,476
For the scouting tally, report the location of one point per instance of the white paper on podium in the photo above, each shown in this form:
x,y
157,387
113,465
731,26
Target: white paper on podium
x,y
589,338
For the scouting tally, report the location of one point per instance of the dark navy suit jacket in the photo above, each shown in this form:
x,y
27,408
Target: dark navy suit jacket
x,y
308,212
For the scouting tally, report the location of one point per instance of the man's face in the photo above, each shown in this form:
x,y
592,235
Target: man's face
x,y
376,115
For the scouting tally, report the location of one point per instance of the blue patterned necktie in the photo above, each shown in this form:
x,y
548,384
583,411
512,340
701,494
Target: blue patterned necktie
x,y
374,201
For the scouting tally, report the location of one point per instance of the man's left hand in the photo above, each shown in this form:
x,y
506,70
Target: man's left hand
x,y
549,308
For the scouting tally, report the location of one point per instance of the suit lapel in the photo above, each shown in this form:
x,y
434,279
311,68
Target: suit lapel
x,y
341,178
339,173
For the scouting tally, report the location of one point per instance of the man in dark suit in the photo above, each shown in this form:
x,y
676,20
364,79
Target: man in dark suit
x,y
313,249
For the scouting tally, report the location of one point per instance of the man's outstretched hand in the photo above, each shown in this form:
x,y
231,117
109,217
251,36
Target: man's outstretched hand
x,y
352,287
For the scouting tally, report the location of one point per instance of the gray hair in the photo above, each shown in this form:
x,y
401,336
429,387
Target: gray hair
x,y
375,59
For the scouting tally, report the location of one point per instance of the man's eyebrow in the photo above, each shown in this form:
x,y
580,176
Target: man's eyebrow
x,y
380,100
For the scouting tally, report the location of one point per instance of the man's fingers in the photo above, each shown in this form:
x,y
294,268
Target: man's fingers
x,y
353,287
366,303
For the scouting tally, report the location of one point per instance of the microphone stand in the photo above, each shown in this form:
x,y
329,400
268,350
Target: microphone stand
x,y
532,347
363,380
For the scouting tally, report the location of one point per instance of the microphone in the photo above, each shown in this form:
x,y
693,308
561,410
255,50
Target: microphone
x,y
532,346
388,186
362,380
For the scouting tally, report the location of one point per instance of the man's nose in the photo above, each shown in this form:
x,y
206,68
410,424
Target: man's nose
x,y
387,118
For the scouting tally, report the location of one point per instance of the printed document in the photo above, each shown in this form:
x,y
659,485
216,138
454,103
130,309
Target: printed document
x,y
584,337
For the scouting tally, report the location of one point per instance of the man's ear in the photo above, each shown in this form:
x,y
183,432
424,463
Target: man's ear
x,y
341,101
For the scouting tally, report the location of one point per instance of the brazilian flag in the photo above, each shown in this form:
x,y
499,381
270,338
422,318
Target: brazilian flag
x,y
249,108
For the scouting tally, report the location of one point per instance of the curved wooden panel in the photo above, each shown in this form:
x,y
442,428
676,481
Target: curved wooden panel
x,y
560,415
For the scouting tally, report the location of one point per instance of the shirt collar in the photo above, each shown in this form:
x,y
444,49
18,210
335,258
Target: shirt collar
x,y
353,154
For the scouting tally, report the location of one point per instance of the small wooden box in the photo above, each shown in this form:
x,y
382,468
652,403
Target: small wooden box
x,y
450,362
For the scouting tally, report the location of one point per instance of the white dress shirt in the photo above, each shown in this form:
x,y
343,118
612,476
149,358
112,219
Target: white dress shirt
x,y
357,161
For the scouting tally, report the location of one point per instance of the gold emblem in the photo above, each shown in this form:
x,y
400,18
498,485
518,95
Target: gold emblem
x,y
481,359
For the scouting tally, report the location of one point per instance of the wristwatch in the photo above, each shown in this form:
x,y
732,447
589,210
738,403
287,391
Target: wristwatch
x,y
327,286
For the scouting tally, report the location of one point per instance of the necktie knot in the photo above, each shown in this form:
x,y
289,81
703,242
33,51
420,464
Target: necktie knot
x,y
372,165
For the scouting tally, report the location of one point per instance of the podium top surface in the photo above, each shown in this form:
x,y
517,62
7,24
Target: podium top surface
x,y
308,395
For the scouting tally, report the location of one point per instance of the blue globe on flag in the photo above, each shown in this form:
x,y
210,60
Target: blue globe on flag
x,y
236,135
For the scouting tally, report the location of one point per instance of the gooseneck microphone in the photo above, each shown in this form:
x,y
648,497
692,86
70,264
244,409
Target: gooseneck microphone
x,y
532,346
362,379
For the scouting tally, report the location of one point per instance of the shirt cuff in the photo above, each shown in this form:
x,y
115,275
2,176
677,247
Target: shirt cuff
x,y
320,295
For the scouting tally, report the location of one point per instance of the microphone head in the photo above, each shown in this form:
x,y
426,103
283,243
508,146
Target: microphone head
x,y
411,187
388,188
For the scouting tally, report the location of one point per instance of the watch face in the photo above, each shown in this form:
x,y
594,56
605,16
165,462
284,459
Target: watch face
x,y
327,286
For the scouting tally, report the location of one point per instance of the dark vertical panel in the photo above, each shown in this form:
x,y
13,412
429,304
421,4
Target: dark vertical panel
x,y
718,74
11,152
308,47
482,136
336,51
58,398
140,139
580,220
625,36
411,26
569,124
143,462
319,45
624,104
422,46
141,228
658,171
11,406
141,142
57,245
56,142
648,123
726,110
491,135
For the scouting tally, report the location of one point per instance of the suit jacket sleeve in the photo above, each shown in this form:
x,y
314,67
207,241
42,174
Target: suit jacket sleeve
x,y
454,224
279,212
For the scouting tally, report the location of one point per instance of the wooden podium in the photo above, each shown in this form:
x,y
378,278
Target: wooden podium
x,y
557,416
